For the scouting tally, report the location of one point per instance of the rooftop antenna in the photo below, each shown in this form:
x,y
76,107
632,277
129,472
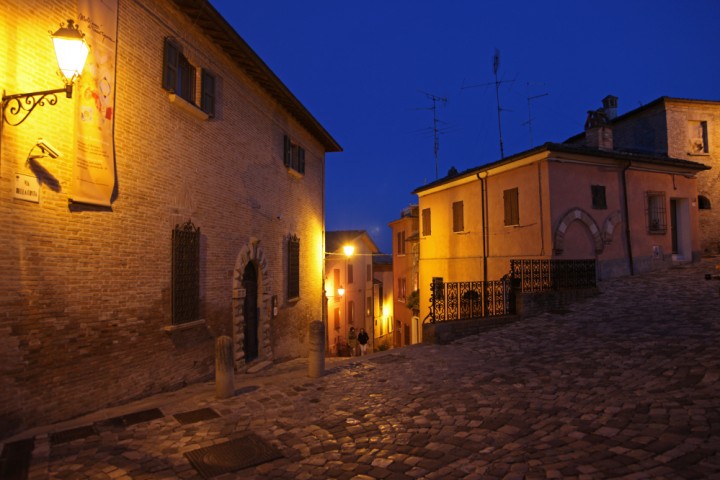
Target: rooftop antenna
x,y
530,118
436,130
496,67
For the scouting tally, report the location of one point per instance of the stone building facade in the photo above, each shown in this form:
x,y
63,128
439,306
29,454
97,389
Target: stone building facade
x,y
90,293
681,128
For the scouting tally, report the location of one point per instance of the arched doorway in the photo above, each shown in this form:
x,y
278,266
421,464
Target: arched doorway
x,y
251,257
250,312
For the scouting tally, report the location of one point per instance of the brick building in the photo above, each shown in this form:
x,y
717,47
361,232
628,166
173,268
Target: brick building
x,y
212,224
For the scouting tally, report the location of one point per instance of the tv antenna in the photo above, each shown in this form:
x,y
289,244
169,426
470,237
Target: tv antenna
x,y
497,82
436,130
530,118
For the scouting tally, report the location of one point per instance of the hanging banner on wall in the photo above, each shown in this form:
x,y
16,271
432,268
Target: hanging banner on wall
x,y
94,169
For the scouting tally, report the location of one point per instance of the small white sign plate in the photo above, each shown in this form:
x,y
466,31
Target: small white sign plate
x,y
27,188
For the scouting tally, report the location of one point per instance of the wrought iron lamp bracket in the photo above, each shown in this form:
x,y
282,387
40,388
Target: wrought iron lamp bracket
x,y
17,108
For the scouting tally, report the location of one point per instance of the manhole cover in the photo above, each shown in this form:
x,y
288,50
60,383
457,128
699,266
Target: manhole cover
x,y
72,434
196,416
142,416
238,454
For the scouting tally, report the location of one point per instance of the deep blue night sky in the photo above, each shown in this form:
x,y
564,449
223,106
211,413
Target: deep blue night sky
x,y
363,70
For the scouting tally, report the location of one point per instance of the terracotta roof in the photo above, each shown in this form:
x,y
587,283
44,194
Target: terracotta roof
x,y
659,160
224,35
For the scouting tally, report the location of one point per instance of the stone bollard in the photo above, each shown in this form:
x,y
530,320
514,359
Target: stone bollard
x,y
316,351
224,367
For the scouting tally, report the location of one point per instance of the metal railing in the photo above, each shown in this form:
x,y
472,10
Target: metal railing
x,y
460,300
463,300
543,275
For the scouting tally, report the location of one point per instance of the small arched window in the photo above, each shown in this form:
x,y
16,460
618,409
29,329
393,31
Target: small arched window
x,y
703,202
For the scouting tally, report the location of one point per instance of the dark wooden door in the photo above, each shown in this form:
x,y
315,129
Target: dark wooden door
x,y
250,313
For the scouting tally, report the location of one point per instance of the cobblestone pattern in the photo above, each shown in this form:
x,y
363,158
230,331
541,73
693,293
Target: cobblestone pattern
x,y
625,385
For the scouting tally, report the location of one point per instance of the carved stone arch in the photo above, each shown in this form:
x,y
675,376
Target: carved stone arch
x,y
574,215
609,225
252,253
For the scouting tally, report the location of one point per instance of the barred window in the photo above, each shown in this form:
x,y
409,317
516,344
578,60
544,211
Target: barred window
x,y
185,273
655,212
598,197
293,270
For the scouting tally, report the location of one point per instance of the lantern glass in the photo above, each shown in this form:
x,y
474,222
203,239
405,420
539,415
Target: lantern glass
x,y
71,51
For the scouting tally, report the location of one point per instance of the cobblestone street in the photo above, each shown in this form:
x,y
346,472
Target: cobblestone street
x,y
625,385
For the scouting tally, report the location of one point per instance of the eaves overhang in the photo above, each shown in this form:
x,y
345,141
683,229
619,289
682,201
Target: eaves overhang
x,y
564,152
214,25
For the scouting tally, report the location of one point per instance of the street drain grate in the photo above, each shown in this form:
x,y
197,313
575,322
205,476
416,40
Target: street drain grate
x,y
142,416
15,459
72,434
247,451
196,416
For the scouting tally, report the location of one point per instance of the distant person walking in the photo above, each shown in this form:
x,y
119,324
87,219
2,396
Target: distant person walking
x,y
352,341
363,339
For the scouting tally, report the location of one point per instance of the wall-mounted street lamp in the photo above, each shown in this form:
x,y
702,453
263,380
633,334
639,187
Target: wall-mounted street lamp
x,y
71,51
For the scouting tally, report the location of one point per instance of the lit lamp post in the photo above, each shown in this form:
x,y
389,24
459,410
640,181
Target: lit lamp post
x,y
71,51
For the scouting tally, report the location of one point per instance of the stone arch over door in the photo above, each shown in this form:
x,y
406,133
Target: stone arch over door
x,y
574,215
251,253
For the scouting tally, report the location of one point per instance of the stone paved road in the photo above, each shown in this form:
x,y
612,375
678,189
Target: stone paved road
x,y
625,385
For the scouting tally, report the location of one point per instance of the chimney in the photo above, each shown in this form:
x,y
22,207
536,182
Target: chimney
x,y
598,132
610,106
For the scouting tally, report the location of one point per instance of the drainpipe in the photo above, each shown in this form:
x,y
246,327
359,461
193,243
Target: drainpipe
x,y
627,217
483,193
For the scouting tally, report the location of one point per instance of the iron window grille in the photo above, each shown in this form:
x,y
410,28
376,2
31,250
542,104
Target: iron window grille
x,y
599,201
293,268
655,213
185,273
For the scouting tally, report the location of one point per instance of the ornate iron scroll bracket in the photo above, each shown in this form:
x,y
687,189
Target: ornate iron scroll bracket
x,y
17,108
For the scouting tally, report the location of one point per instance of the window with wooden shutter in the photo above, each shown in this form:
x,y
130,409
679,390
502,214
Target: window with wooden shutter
x,y
207,93
458,220
512,209
426,227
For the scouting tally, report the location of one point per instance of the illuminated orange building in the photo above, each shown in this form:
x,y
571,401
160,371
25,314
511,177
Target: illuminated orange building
x,y
630,211
176,197
348,286
406,274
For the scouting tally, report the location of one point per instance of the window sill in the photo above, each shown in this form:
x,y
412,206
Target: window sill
x,y
187,107
184,326
699,154
295,173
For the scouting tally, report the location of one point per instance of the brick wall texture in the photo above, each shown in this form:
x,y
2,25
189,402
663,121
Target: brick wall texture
x,y
85,293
